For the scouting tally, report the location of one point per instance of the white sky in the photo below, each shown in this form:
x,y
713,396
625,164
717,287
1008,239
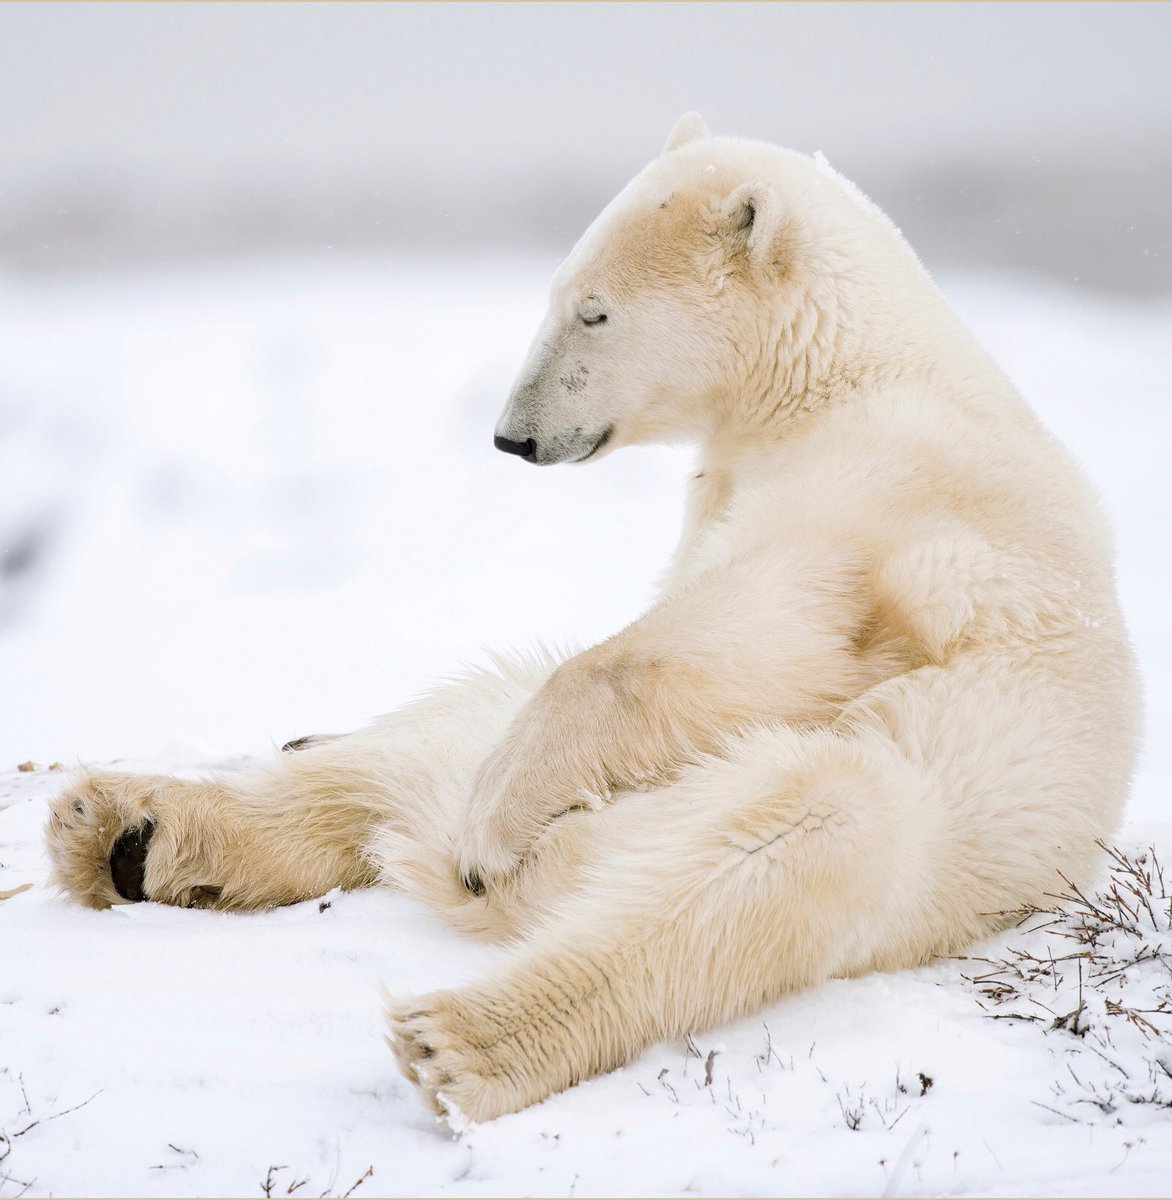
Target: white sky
x,y
319,87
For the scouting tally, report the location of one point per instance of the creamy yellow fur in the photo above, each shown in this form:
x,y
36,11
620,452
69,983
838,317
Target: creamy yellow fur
x,y
885,693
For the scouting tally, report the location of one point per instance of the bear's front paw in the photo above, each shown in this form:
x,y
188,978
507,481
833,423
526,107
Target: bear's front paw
x,y
510,807
490,846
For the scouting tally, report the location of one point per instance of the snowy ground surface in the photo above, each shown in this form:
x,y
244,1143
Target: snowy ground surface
x,y
246,503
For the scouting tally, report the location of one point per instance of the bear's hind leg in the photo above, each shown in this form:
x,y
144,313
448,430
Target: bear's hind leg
x,y
381,805
790,861
263,838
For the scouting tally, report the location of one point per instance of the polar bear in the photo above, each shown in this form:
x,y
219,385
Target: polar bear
x,y
884,697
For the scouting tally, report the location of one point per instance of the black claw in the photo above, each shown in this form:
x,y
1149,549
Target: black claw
x,y
474,884
301,743
128,861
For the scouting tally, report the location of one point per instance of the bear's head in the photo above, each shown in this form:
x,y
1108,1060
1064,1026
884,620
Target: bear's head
x,y
705,293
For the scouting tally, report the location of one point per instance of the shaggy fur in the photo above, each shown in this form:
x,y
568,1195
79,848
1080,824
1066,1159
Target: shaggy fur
x,y
884,695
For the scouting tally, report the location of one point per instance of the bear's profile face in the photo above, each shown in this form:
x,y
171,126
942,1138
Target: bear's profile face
x,y
668,305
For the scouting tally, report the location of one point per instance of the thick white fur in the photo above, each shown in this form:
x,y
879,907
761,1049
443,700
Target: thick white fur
x,y
884,696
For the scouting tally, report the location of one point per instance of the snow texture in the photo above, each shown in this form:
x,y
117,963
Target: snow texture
x,y
242,505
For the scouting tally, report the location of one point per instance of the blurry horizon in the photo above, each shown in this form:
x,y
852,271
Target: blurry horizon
x,y
1035,137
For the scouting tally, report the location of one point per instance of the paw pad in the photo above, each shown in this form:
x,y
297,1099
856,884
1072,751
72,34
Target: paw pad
x,y
128,861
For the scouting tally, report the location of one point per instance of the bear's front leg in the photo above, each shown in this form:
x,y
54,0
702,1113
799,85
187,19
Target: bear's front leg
x,y
550,760
597,725
772,640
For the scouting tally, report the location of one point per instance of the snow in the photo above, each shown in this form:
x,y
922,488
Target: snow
x,y
257,501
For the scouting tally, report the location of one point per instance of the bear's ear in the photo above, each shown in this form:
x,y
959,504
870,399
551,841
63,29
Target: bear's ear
x,y
753,215
689,128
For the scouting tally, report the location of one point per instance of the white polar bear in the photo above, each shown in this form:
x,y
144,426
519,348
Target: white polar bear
x,y
885,695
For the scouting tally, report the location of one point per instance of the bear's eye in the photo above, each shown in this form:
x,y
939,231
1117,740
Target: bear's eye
x,y
591,311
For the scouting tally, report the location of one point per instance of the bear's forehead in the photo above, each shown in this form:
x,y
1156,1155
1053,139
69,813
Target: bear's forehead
x,y
667,215
673,210
633,249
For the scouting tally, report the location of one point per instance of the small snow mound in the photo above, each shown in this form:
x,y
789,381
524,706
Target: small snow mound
x,y
454,1116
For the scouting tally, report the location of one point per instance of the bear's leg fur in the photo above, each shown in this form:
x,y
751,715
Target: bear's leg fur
x,y
263,838
940,801
769,870
297,826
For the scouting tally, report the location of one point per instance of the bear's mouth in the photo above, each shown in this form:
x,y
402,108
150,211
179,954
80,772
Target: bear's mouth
x,y
598,445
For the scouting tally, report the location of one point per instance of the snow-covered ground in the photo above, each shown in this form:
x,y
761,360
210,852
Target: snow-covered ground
x,y
244,503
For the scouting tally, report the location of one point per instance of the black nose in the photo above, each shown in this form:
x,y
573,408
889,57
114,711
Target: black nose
x,y
526,449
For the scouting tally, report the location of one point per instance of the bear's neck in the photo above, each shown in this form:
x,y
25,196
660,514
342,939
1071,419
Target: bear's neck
x,y
853,341
907,341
